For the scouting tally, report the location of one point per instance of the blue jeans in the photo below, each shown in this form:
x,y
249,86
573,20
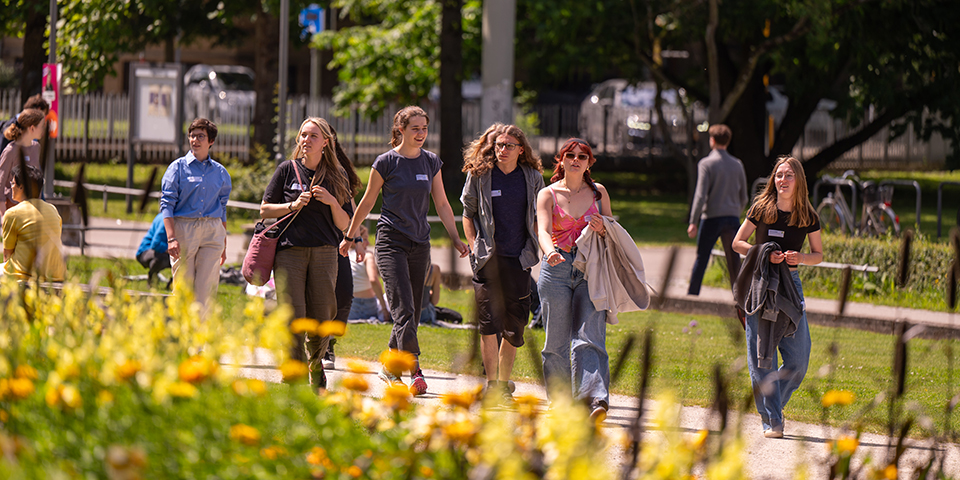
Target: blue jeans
x,y
772,388
365,308
575,350
724,228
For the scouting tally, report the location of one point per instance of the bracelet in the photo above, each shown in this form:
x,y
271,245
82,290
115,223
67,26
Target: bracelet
x,y
174,239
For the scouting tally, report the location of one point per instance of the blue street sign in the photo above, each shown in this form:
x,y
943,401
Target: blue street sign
x,y
311,19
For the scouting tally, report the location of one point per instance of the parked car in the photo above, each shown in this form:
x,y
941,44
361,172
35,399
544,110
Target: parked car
x,y
218,91
630,116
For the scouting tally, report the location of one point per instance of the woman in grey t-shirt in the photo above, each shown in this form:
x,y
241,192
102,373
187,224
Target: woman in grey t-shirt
x,y
408,176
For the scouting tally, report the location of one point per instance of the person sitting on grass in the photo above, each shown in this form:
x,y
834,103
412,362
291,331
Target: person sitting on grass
x,y
31,232
368,299
152,253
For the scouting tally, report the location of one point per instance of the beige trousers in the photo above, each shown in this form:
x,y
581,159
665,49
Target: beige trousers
x,y
202,241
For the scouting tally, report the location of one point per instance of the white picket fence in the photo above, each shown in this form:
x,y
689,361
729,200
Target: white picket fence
x,y
94,126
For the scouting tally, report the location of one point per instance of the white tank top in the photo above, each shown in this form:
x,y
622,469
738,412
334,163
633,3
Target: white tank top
x,y
361,282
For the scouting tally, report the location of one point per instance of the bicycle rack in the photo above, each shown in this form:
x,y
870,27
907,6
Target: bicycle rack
x,y
854,187
908,183
940,205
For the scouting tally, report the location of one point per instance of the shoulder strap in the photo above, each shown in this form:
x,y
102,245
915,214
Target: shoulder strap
x,y
553,194
296,170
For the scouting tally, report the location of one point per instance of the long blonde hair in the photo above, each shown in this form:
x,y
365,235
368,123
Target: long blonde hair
x,y
765,204
329,164
480,156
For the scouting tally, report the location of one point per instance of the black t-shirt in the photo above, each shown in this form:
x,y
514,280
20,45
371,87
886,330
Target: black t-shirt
x,y
508,194
314,226
788,237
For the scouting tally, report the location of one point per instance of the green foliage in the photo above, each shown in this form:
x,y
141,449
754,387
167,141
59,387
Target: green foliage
x,y
392,55
8,77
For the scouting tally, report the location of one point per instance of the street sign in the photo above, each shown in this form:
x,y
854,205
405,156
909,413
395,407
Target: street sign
x,y
311,19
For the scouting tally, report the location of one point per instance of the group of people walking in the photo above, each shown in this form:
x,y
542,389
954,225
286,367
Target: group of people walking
x,y
512,221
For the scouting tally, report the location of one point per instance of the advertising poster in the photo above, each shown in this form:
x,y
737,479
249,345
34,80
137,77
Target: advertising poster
x,y
155,94
51,93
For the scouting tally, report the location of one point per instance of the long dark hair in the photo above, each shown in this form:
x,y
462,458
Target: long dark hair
x,y
568,146
480,156
352,178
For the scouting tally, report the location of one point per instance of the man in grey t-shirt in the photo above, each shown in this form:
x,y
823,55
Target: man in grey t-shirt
x,y
720,197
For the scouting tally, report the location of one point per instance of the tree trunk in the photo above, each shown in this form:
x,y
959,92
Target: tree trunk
x,y
34,55
451,98
266,61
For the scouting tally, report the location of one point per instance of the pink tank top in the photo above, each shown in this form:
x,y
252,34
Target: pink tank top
x,y
566,229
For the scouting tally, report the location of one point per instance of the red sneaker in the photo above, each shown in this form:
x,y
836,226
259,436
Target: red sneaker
x,y
419,385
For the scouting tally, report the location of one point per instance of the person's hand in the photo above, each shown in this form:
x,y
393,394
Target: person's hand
x,y
596,224
361,252
301,201
692,230
554,258
777,257
793,257
345,245
323,195
223,257
461,247
386,316
173,249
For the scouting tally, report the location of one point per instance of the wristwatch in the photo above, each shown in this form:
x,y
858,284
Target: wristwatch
x,y
357,239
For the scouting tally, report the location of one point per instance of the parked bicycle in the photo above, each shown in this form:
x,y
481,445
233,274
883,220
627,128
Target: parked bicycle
x,y
877,218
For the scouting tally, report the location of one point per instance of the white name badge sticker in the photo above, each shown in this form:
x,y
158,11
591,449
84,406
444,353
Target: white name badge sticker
x,y
298,186
775,233
422,177
194,179
495,193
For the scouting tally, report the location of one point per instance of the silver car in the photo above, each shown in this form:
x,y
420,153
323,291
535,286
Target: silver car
x,y
219,92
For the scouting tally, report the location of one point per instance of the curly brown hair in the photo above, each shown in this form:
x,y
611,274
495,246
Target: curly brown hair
x,y
480,156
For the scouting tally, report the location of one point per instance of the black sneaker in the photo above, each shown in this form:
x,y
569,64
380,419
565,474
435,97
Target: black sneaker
x,y
329,359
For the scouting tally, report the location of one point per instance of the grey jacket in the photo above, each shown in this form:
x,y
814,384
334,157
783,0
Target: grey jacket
x,y
478,206
767,290
721,187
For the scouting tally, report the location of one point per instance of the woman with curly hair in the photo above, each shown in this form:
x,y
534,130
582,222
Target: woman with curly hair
x,y
575,350
781,213
504,176
315,185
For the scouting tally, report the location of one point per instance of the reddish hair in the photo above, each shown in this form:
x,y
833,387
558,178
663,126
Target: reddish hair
x,y
568,146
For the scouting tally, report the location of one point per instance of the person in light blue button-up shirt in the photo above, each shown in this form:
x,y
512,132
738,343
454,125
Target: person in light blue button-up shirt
x,y
193,203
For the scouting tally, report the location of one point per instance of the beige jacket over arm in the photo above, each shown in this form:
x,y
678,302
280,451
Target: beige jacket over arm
x,y
613,269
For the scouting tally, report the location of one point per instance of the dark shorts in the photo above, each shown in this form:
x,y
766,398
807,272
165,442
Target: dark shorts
x,y
503,298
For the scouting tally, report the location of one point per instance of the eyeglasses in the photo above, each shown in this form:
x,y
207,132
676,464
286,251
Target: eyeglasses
x,y
583,157
507,146
197,136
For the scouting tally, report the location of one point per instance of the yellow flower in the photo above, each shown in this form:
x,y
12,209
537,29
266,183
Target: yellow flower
x,y
426,471
355,366
197,369
699,439
304,325
890,472
63,396
837,397
245,434
104,397
462,399
332,327
462,431
26,371
248,387
846,445
354,471
128,369
293,370
182,390
273,452
527,405
396,395
355,383
316,456
398,361
20,388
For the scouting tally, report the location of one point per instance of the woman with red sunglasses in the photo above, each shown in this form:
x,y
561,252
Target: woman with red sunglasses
x,y
574,353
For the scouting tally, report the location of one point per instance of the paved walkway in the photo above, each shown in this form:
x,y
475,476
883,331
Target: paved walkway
x,y
804,444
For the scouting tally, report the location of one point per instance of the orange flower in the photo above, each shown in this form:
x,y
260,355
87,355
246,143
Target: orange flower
x,y
248,387
26,371
63,396
304,325
20,388
354,471
846,445
197,369
890,472
397,396
460,432
355,383
332,327
293,370
462,399
316,456
245,434
128,369
398,361
272,452
426,471
527,405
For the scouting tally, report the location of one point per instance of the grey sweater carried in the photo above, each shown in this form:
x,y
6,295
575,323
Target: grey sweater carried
x,y
721,187
768,290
